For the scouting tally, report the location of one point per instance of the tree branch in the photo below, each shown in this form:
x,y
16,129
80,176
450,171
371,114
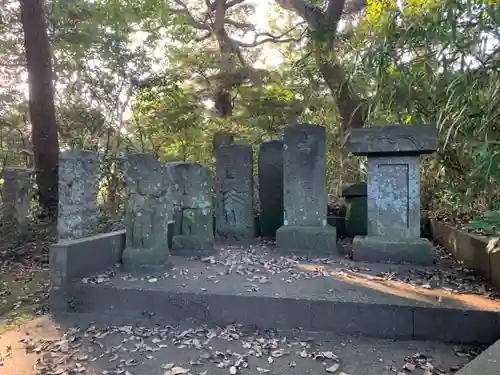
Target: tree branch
x,y
239,25
232,3
334,11
311,14
269,38
192,21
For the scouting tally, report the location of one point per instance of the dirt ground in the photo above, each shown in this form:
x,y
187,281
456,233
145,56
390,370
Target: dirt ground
x,y
105,345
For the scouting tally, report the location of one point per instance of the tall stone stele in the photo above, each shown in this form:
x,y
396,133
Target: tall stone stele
x,y
393,232
78,213
16,194
234,193
271,187
305,229
193,213
149,209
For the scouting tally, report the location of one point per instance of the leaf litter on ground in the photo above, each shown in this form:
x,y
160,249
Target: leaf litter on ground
x,y
120,349
258,266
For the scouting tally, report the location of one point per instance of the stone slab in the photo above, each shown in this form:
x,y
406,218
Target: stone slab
x,y
17,189
78,212
383,249
270,168
393,202
234,193
307,240
304,175
391,139
73,259
487,363
149,209
347,297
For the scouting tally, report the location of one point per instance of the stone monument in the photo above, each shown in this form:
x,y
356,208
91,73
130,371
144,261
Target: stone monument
x,y
16,189
148,210
305,228
234,193
356,202
271,187
192,199
78,213
393,232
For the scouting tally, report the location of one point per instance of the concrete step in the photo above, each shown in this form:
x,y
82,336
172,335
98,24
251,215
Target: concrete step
x,y
256,287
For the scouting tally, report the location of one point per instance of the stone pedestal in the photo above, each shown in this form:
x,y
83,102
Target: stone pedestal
x,y
78,213
16,194
234,193
193,218
149,209
356,213
393,212
271,187
305,228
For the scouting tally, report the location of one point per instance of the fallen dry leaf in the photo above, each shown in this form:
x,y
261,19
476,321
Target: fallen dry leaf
x,y
176,371
409,367
332,368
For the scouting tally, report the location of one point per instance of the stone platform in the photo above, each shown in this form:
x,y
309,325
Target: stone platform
x,y
258,287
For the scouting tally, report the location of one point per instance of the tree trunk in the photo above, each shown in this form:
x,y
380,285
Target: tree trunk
x,y
41,104
350,109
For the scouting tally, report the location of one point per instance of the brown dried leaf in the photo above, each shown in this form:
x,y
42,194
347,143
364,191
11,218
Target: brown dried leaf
x,y
176,371
279,353
409,367
333,368
330,355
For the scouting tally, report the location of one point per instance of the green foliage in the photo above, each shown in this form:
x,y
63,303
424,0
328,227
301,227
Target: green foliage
x,y
168,120
143,75
489,223
428,63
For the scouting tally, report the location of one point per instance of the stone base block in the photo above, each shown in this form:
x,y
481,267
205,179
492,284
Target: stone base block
x,y
237,234
192,245
307,240
135,259
381,249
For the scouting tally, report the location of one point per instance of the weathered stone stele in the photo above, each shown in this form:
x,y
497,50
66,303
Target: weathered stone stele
x,y
15,209
234,193
305,228
148,210
78,213
393,195
271,187
192,199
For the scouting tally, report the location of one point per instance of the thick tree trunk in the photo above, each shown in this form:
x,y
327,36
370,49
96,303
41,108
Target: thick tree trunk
x,y
41,104
350,110
323,24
